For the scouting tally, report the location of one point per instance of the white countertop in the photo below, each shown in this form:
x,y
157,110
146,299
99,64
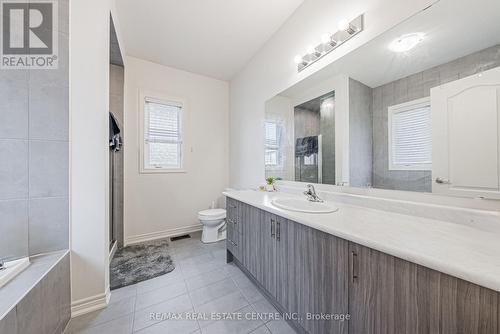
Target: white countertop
x,y
454,249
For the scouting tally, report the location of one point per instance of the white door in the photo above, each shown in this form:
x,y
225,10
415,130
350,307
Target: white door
x,y
465,136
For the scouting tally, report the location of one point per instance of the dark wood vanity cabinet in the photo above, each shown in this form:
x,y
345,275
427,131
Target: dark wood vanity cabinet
x,y
305,271
393,296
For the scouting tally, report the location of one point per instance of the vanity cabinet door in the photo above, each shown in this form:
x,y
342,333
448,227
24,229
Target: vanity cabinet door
x,y
250,231
312,276
392,296
266,273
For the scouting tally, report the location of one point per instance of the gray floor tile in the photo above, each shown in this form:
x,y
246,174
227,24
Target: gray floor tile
x,y
113,311
196,260
188,251
173,277
266,310
118,326
226,304
249,290
279,327
232,269
122,293
190,270
244,324
159,295
160,311
263,330
205,279
172,327
209,293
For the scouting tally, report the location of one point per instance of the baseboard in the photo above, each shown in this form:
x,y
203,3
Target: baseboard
x,y
90,304
135,239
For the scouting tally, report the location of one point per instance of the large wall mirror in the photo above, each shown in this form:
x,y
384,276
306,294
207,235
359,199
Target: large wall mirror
x,y
415,109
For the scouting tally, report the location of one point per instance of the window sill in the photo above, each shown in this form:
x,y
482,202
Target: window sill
x,y
162,171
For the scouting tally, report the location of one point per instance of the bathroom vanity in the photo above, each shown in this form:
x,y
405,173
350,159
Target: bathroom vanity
x,y
330,265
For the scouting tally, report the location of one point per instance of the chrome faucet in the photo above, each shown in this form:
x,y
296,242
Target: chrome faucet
x,y
311,194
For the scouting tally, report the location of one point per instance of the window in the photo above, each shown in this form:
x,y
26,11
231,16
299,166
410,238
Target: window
x,y
162,146
410,136
273,133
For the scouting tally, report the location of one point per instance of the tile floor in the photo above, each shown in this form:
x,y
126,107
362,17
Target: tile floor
x,y
202,283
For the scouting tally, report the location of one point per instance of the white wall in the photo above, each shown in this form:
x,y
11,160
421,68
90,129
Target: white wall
x,y
158,205
89,101
272,70
89,75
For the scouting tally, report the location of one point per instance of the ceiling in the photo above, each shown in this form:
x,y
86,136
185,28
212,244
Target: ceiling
x,y
215,38
453,28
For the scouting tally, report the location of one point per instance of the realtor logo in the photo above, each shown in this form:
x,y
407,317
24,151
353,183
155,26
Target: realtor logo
x,y
29,33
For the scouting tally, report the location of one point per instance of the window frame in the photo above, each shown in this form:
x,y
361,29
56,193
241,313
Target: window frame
x,y
403,107
161,98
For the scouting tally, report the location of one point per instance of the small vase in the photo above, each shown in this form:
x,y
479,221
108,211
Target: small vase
x,y
269,187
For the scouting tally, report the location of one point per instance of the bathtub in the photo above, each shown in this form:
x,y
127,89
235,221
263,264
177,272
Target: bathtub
x,y
12,269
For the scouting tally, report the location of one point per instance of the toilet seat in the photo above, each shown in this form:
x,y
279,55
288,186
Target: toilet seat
x,y
212,214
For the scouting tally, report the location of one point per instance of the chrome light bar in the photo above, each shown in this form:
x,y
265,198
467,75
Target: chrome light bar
x,y
347,32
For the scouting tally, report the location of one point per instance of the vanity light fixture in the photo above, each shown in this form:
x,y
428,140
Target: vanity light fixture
x,y
330,42
406,42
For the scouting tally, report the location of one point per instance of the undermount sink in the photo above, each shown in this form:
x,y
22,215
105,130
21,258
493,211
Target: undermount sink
x,y
302,205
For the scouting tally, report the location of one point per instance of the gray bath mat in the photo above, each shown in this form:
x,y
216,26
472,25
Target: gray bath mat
x,y
136,263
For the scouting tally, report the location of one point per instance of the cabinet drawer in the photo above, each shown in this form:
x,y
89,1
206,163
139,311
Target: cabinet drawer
x,y
233,213
233,243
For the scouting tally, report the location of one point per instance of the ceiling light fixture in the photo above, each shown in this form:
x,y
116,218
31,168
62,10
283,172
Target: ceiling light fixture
x,y
330,42
406,42
325,38
346,26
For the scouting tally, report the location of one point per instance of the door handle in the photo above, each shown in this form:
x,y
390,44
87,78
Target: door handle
x,y
273,229
355,266
442,180
278,230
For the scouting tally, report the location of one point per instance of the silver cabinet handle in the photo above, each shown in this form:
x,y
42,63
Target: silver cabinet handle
x,y
273,229
278,230
355,266
442,180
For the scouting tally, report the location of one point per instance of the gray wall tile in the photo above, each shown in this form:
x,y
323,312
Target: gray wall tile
x,y
34,106
48,225
14,228
49,169
46,307
30,311
13,169
14,104
49,117
49,99
56,297
360,133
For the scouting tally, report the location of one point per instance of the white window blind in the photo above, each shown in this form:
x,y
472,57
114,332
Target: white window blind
x,y
410,136
272,143
162,135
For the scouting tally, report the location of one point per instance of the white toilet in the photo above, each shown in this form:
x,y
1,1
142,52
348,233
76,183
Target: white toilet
x,y
214,225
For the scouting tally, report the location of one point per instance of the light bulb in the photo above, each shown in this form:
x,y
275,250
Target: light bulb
x,y
297,59
310,49
325,38
343,25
